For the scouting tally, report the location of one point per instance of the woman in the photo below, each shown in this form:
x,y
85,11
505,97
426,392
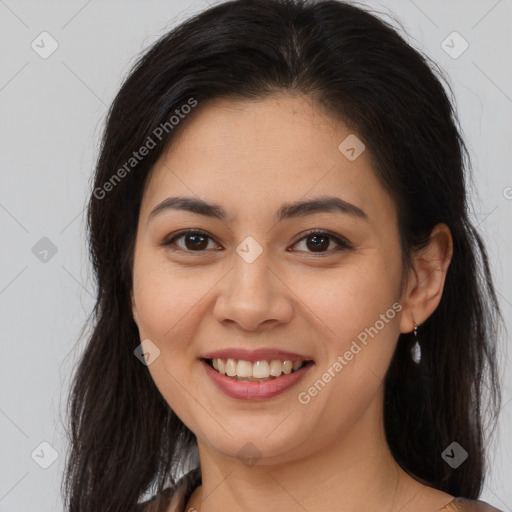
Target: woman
x,y
293,308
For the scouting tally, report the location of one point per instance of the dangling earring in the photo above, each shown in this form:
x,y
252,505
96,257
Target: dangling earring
x,y
416,349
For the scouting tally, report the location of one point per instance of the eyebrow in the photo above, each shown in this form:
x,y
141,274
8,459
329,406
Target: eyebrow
x,y
323,204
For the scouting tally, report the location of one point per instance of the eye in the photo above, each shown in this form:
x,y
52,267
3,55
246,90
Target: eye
x,y
322,239
197,241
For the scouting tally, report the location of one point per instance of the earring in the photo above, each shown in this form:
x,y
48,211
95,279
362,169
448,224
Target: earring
x,y
416,349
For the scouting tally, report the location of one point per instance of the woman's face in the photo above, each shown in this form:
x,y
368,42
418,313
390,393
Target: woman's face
x,y
264,281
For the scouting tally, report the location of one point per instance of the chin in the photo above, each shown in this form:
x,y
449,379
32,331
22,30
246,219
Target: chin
x,y
261,441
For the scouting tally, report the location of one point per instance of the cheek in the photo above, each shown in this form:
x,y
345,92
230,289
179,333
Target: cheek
x,y
358,315
351,300
357,312
165,301
165,306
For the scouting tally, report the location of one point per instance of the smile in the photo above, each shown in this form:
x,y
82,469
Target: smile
x,y
257,380
257,371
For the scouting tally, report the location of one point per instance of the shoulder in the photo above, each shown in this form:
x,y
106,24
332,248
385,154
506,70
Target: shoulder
x,y
173,499
158,503
465,505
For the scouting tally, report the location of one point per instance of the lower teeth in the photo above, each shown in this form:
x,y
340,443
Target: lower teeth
x,y
252,379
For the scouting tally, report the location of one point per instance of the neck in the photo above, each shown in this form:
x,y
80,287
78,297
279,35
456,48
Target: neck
x,y
356,472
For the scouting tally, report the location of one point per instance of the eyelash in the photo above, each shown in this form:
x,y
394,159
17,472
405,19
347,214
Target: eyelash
x,y
342,244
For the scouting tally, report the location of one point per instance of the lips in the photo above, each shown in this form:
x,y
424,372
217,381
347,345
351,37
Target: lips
x,y
255,389
256,355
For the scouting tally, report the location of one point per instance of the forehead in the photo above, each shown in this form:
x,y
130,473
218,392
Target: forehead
x,y
249,155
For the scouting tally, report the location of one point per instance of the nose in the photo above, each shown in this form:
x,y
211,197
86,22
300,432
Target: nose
x,y
254,296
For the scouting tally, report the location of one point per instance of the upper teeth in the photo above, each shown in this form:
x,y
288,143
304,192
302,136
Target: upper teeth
x,y
258,369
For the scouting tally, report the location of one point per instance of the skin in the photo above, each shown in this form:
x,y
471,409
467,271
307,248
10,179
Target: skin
x,y
251,157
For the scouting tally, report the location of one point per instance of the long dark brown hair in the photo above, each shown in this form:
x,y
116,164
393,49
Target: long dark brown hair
x,y
125,440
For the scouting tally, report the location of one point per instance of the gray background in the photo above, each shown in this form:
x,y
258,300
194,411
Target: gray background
x,y
51,114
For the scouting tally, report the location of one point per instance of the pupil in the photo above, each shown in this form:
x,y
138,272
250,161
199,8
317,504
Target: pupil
x,y
316,243
197,243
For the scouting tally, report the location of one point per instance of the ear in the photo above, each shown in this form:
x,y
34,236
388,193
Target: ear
x,y
427,277
134,308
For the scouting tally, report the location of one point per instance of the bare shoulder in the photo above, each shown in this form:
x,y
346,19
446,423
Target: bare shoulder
x,y
430,499
465,505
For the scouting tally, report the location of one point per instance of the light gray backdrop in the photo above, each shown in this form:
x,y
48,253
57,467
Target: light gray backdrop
x,y
53,101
